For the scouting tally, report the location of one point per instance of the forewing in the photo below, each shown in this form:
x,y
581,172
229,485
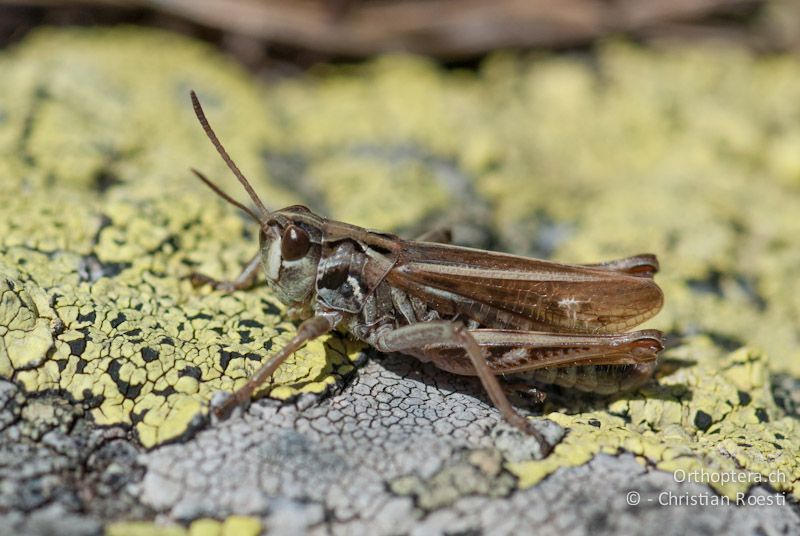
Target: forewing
x,y
507,291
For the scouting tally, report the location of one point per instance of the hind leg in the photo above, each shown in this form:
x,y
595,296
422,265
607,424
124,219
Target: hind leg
x,y
415,336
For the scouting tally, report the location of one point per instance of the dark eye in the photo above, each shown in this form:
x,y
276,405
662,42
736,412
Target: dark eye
x,y
294,244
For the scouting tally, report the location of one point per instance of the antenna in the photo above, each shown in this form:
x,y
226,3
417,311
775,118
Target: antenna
x,y
201,116
225,196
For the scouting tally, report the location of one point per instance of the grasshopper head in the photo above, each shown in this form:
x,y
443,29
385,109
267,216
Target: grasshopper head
x,y
290,253
289,238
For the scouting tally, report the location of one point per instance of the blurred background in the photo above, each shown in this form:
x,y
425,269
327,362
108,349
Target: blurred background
x,y
266,33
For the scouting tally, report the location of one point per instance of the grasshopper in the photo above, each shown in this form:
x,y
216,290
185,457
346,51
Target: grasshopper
x,y
466,311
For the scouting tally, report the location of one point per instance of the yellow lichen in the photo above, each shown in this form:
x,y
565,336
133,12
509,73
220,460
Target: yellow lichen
x,y
143,528
715,417
25,336
232,526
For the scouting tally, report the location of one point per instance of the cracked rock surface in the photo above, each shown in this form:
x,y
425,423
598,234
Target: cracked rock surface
x,y
109,358
371,460
364,457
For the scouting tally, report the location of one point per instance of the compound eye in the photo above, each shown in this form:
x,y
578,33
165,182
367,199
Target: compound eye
x,y
294,244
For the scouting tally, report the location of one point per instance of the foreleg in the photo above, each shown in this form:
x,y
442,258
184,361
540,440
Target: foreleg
x,y
243,281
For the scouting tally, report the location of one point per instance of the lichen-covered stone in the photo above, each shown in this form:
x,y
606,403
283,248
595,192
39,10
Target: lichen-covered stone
x,y
691,154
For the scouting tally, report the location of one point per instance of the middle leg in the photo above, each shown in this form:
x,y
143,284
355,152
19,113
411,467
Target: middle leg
x,y
312,328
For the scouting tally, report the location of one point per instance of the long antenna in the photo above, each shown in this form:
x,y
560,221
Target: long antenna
x,y
225,196
201,116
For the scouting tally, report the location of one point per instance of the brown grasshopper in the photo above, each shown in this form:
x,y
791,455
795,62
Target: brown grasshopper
x,y
467,311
